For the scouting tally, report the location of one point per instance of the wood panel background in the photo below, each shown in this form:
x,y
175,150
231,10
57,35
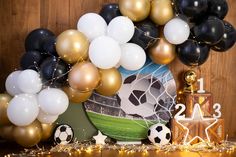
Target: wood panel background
x,y
19,17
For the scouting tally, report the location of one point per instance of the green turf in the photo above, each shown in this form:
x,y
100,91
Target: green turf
x,y
121,129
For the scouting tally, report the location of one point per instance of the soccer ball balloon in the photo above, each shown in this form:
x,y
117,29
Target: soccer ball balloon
x,y
63,134
159,134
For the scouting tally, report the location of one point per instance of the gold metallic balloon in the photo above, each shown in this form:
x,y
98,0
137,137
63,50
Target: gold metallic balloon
x,y
84,77
72,46
161,11
4,101
136,10
28,136
6,132
47,130
162,52
110,82
75,95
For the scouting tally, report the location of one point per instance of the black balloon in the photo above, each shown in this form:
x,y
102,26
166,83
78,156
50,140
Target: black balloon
x,y
192,53
35,39
218,8
110,11
49,46
228,39
31,60
146,33
209,31
54,71
193,9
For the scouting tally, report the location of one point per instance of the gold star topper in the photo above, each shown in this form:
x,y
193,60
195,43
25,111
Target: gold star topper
x,y
100,138
195,126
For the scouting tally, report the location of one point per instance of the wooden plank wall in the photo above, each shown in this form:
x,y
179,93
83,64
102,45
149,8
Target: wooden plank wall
x,y
19,17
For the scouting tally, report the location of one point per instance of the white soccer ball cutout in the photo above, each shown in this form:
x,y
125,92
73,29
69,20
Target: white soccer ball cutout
x,y
138,96
63,134
159,134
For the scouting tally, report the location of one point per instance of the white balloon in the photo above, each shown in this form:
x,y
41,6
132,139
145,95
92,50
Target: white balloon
x,y
23,109
133,57
11,83
121,29
46,118
92,25
53,101
104,52
176,31
29,81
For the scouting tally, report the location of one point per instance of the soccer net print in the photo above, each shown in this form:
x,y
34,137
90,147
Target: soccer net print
x,y
147,96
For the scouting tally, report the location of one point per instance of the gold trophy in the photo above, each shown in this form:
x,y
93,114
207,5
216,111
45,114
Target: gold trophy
x,y
190,79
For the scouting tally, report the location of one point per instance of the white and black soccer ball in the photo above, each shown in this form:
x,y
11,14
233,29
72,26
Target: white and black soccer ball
x,y
159,134
63,134
138,95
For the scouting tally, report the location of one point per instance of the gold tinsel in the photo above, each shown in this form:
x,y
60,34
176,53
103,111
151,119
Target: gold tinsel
x,y
89,147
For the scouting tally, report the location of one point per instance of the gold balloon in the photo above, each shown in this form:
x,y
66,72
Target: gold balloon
x,y
84,77
4,101
161,11
28,136
47,130
136,10
75,95
6,132
110,82
72,46
162,52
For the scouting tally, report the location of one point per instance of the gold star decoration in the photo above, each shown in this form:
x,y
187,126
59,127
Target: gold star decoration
x,y
197,126
100,138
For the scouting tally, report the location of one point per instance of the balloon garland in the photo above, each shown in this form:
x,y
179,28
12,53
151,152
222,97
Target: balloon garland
x,y
86,59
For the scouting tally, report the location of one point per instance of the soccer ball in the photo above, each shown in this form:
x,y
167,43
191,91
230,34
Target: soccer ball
x,y
159,134
146,97
63,134
139,95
